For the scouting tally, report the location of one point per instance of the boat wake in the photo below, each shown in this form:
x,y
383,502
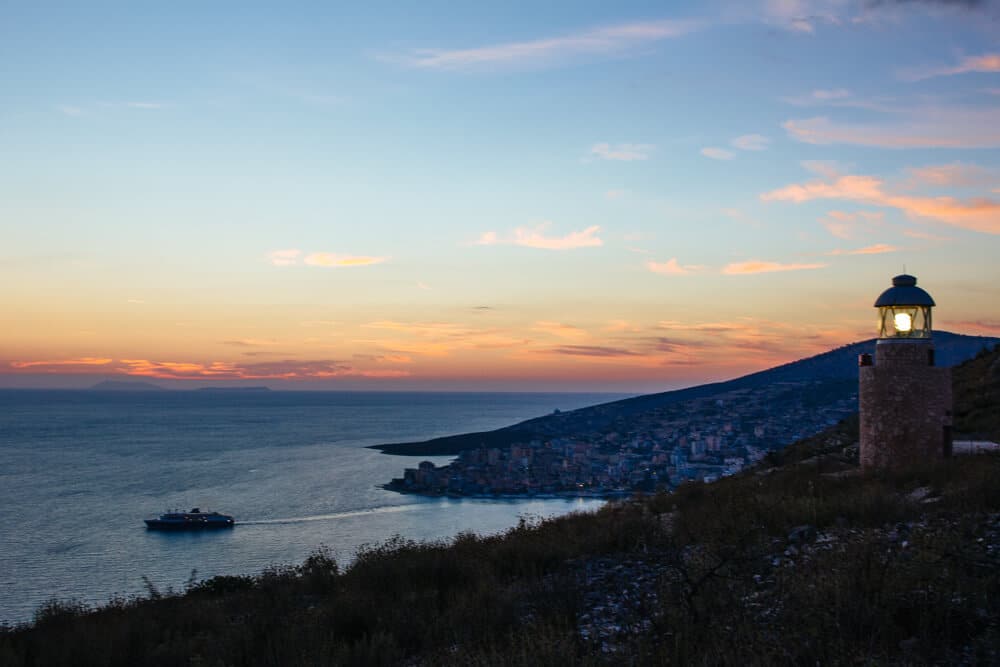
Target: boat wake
x,y
393,509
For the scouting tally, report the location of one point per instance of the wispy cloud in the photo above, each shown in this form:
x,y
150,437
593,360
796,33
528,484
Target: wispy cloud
x,y
757,266
988,62
559,330
920,128
145,105
61,364
622,152
591,351
803,16
250,342
288,369
751,142
877,249
717,153
283,257
606,41
671,267
323,259
954,175
978,214
846,225
333,260
534,237
614,194
70,110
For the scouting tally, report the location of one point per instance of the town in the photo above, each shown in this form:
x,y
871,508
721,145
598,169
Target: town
x,y
701,439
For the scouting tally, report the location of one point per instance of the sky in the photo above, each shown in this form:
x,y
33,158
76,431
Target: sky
x,y
562,196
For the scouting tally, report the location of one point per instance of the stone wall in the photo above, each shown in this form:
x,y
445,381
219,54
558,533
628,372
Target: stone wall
x,y
905,404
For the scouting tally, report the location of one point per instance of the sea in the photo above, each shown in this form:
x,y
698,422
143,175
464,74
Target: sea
x,y
80,470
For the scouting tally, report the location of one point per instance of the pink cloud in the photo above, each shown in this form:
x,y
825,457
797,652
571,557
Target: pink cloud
x,y
603,41
534,237
877,249
61,365
757,266
956,174
988,62
672,268
560,330
717,153
925,128
845,225
978,214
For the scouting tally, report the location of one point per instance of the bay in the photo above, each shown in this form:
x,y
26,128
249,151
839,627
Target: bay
x,y
80,470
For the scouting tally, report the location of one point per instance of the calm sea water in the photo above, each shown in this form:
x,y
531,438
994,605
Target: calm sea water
x,y
80,470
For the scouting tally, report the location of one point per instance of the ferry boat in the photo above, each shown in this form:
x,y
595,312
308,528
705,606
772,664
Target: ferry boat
x,y
193,520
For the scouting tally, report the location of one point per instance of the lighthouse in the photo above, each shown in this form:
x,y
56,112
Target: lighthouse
x,y
904,400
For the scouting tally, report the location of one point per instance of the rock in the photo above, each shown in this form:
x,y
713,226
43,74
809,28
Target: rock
x,y
801,534
918,494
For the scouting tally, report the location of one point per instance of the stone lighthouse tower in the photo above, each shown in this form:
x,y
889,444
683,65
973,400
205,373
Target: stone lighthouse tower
x,y
905,401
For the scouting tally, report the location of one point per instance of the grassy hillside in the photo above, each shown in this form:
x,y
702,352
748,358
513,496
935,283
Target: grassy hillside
x,y
977,396
800,561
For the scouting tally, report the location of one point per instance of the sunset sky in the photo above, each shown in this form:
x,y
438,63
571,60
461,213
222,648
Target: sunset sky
x,y
627,196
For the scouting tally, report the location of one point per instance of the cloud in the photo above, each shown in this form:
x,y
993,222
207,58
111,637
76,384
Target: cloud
x,y
751,142
988,62
559,330
61,365
283,257
622,152
956,174
287,369
144,105
978,214
803,15
535,238
757,266
614,194
422,285
249,342
877,249
340,261
672,268
923,128
606,41
832,94
845,225
591,351
70,110
717,153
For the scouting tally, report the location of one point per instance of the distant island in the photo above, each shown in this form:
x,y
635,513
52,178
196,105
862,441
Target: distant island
x,y
126,385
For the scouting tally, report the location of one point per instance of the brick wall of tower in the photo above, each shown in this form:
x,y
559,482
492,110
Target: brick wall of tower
x,y
905,406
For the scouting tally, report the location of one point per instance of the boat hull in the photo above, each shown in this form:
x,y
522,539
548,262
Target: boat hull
x,y
189,524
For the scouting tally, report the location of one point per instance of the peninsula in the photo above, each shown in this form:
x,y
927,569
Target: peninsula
x,y
659,441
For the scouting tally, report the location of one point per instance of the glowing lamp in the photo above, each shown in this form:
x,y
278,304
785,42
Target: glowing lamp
x,y
904,311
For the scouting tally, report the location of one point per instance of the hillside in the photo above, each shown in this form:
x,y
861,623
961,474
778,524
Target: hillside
x,y
833,376
799,561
